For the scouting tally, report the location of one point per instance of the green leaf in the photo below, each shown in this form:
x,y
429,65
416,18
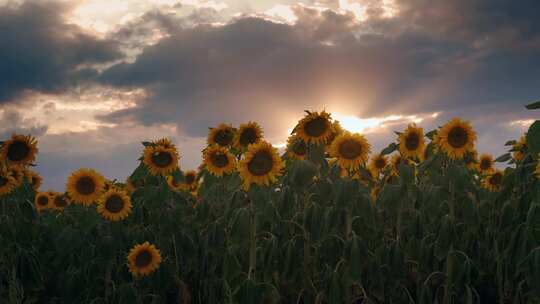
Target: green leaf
x,y
533,138
431,134
391,148
504,158
510,143
533,106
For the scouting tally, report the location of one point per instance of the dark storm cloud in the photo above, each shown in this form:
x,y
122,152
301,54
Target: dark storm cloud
x,y
435,55
40,52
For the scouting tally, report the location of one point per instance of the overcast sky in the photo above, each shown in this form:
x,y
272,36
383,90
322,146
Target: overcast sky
x,y
91,79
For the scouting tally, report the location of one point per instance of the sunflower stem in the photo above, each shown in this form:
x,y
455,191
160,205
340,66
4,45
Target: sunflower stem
x,y
307,245
252,240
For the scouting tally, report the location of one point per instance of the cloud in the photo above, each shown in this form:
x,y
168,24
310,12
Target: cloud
x,y
13,122
41,52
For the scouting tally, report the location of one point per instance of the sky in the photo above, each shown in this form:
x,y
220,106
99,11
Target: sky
x,y
92,79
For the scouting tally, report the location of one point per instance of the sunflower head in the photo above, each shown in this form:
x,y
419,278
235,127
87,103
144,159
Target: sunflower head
x,y
296,148
165,143
378,163
17,172
222,135
19,150
160,160
248,133
337,130
351,150
7,183
456,138
471,159
143,259
219,160
411,142
85,186
315,128
260,165
520,148
59,201
114,205
43,200
493,181
33,178
485,163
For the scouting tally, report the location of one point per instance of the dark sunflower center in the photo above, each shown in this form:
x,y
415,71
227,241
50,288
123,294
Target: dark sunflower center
x,y
300,148
143,259
60,201
114,204
85,185
458,137
485,164
162,159
3,181
219,160
496,179
18,151
350,149
316,126
248,136
223,137
380,163
190,178
412,141
261,163
43,200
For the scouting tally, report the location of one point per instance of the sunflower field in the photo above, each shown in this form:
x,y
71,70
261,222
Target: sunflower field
x,y
326,220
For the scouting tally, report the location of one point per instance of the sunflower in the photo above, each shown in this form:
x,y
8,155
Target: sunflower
x,y
519,148
17,173
59,201
33,178
411,142
114,205
85,186
456,137
7,183
485,163
219,160
160,160
173,183
377,164
19,150
190,181
315,128
43,200
165,143
471,160
493,182
337,130
249,133
260,165
222,135
296,148
351,150
143,259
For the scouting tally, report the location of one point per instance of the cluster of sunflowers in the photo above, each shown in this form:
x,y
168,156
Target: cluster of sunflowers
x,y
243,153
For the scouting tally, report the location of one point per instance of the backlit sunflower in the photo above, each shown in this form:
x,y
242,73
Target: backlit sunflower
x,y
520,148
33,178
377,164
7,183
59,201
296,148
222,135
248,133
219,160
485,163
493,182
471,160
85,186
315,127
337,130
351,150
43,200
411,142
143,259
160,160
114,205
260,165
456,138
19,150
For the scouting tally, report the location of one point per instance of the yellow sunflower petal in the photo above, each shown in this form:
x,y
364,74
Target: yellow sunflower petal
x,y
260,165
143,259
85,186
